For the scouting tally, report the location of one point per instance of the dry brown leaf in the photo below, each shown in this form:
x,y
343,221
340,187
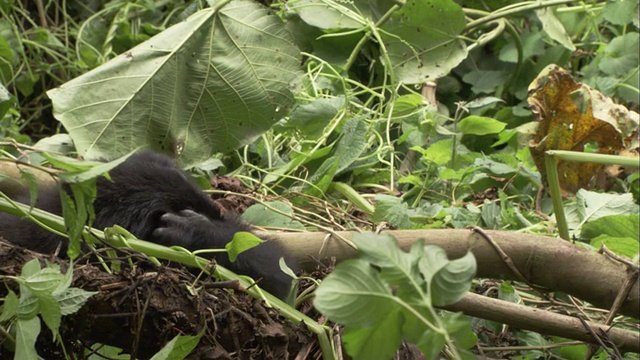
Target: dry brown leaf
x,y
571,116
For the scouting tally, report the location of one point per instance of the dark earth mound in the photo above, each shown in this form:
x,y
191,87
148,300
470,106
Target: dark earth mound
x,y
143,306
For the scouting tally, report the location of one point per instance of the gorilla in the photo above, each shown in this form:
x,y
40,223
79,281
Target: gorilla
x,y
156,201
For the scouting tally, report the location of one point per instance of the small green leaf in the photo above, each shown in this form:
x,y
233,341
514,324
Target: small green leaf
x,y
480,125
431,344
66,281
9,306
397,266
508,293
310,120
27,331
178,348
72,299
392,210
44,282
439,152
32,267
406,105
620,233
624,246
32,183
591,205
619,226
58,143
354,295
317,13
486,81
29,305
482,102
242,241
260,215
102,351
434,259
621,55
459,328
423,39
621,12
554,28
351,144
50,312
448,280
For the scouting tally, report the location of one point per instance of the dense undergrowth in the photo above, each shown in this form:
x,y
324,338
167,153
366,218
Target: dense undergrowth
x,y
427,114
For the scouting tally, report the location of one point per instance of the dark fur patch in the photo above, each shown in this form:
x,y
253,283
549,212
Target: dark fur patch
x,y
155,200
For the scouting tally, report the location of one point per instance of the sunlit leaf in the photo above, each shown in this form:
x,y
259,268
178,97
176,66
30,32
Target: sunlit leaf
x,y
208,84
423,41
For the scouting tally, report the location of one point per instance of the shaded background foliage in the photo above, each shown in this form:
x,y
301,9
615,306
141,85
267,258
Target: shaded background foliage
x,y
415,118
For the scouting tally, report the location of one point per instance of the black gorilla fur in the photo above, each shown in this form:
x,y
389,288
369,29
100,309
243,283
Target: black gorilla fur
x,y
153,199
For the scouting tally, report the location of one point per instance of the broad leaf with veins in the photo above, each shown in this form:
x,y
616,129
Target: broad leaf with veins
x,y
211,83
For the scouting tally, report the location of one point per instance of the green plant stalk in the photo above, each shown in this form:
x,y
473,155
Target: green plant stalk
x,y
489,36
437,328
511,30
510,10
456,138
391,101
7,336
556,196
554,181
367,36
353,197
581,157
184,257
45,220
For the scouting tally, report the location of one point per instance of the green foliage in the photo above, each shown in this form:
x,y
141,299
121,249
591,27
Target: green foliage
x,y
409,114
388,295
44,292
178,348
422,43
180,89
392,210
619,233
274,214
77,210
480,125
589,206
99,351
241,241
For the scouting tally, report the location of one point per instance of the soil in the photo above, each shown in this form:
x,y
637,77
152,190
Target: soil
x,y
142,307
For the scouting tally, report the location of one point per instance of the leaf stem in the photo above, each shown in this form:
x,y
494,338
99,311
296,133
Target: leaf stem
x,y
510,10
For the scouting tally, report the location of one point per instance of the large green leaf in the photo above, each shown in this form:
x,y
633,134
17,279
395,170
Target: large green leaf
x,y
209,84
379,342
354,295
351,144
620,233
358,294
621,55
423,39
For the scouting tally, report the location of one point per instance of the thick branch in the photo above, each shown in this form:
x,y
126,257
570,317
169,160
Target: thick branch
x,y
548,262
542,321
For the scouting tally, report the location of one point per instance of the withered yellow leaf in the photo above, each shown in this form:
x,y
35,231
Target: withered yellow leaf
x,y
571,116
